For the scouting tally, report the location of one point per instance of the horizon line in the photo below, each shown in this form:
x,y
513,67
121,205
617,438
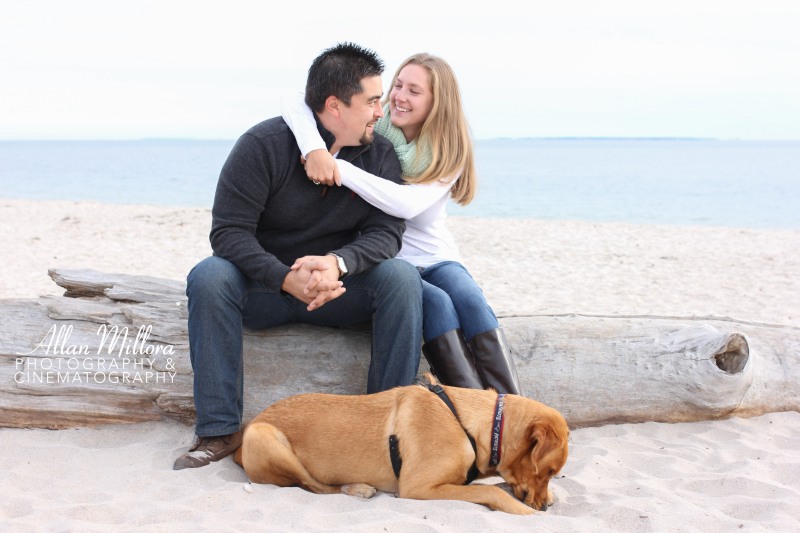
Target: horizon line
x,y
526,138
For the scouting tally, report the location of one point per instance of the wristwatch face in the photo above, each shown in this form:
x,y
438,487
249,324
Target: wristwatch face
x,y
342,266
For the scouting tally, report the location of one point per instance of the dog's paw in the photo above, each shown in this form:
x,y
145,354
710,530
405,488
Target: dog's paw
x,y
359,490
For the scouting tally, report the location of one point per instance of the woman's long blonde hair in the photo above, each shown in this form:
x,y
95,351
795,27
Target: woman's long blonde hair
x,y
445,131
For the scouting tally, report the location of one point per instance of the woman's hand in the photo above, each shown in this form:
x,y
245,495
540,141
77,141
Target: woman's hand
x,y
321,168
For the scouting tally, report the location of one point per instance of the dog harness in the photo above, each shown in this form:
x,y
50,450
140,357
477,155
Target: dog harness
x,y
497,436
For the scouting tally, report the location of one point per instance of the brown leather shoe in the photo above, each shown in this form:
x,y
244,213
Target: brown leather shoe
x,y
208,449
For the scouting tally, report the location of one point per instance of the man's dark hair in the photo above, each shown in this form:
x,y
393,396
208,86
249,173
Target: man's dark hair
x,y
338,72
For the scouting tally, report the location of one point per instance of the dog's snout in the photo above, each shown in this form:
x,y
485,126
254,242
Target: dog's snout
x,y
543,507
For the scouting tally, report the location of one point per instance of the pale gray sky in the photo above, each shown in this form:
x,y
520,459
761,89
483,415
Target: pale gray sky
x,y
123,69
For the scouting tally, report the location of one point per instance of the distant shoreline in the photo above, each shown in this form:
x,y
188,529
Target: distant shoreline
x,y
482,139
646,180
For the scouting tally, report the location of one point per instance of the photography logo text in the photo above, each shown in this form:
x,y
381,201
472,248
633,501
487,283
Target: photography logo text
x,y
119,357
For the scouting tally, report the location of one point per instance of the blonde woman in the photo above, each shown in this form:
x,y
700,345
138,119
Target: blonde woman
x,y
424,120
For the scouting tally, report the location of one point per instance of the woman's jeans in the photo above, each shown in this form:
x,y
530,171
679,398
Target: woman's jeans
x,y
452,300
222,300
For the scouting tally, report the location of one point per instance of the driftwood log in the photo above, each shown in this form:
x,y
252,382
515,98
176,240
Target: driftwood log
x,y
114,348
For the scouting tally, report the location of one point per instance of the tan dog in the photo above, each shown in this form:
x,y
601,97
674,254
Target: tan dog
x,y
407,441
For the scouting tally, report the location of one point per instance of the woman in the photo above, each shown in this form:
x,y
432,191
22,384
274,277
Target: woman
x,y
424,120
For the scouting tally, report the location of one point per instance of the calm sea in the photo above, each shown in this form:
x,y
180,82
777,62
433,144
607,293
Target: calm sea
x,y
665,181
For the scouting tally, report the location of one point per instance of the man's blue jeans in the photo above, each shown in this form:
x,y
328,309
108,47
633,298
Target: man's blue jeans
x,y
451,299
222,300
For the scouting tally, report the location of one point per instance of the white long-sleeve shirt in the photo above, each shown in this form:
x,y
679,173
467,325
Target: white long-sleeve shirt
x,y
426,241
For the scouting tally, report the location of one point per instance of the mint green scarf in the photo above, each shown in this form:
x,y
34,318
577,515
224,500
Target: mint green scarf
x,y
412,164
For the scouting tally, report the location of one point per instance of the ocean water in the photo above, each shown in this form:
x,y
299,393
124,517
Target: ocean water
x,y
753,184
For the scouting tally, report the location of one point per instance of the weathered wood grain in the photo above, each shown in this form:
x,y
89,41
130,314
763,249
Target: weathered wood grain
x,y
61,367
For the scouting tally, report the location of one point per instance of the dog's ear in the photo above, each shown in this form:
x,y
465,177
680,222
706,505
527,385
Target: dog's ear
x,y
537,438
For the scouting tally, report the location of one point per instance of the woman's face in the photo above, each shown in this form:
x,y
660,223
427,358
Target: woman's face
x,y
411,100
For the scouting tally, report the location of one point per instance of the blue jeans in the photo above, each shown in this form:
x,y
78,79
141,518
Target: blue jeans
x,y
451,300
222,300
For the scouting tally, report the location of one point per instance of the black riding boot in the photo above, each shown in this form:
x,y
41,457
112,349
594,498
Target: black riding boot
x,y
451,361
494,361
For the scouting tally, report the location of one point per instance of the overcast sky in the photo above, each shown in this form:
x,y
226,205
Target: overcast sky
x,y
122,69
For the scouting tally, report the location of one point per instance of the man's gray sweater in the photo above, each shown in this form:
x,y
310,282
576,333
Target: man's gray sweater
x,y
267,213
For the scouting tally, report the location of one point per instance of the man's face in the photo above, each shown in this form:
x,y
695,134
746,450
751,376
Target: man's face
x,y
359,118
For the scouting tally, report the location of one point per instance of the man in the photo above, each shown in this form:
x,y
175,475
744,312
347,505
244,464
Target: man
x,y
287,250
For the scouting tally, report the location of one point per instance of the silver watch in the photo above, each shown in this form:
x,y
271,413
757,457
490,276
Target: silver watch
x,y
340,264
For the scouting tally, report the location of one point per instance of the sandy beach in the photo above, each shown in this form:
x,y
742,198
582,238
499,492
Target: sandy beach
x,y
713,476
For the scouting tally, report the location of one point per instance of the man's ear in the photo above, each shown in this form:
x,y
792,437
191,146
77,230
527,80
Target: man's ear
x,y
332,105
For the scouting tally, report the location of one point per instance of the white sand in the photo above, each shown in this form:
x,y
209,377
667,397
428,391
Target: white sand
x,y
730,475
